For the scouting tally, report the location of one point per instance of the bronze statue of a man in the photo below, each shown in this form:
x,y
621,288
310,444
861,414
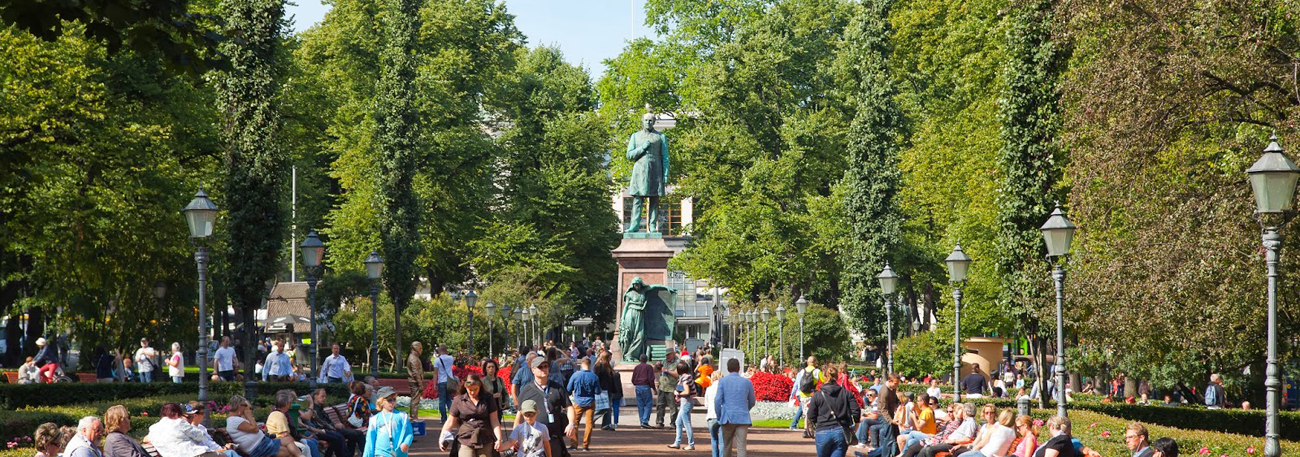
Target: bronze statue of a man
x,y
648,149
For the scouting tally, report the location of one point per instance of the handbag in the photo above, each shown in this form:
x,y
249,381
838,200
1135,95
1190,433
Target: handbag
x,y
849,437
602,401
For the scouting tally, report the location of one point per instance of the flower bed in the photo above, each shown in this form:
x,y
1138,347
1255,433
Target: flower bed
x,y
772,410
771,387
431,388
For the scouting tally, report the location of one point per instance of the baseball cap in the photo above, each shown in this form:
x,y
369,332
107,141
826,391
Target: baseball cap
x,y
528,406
385,392
188,409
537,361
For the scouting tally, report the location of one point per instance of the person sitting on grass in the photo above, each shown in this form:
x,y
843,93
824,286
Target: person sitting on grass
x,y
117,422
529,438
389,433
49,442
243,429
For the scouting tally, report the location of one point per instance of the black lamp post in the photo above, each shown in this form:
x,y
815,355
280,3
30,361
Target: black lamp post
x,y
1273,181
767,336
958,262
491,312
313,252
537,333
1058,232
888,282
780,348
374,271
752,318
801,305
201,215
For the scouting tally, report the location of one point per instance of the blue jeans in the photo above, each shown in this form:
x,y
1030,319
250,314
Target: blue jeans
x,y
972,454
915,436
683,423
444,401
644,403
861,433
315,447
715,438
177,379
146,376
831,443
798,412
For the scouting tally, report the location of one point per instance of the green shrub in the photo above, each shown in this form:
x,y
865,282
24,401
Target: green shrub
x,y
17,396
922,354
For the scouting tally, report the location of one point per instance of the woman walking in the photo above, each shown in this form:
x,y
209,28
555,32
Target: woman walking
x,y
686,390
612,384
493,384
475,421
832,410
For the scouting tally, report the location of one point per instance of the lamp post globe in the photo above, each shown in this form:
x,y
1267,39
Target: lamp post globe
x,y
958,263
801,305
313,252
1273,181
200,217
888,282
374,271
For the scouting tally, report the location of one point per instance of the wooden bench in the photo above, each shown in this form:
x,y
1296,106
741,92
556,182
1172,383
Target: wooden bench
x,y
338,415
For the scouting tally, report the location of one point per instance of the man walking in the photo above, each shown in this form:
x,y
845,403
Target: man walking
x,y
735,399
442,366
414,377
553,402
643,380
336,367
1215,397
224,360
144,360
277,367
584,385
805,384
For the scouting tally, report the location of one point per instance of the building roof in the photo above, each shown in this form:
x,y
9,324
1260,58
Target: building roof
x,y
287,298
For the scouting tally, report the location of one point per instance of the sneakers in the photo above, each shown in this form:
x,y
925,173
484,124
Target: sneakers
x,y
689,447
674,446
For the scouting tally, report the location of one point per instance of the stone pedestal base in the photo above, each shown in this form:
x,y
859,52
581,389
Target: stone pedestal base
x,y
643,255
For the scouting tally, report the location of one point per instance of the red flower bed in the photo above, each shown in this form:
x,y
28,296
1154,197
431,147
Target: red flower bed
x,y
431,388
771,387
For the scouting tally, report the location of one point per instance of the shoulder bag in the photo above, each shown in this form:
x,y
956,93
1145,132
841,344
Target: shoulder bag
x,y
849,436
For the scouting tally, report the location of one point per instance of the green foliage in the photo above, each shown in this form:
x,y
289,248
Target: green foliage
x,y
825,334
926,353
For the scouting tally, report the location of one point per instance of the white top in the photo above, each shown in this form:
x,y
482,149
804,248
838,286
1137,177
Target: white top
x,y
247,441
177,438
530,438
443,364
1000,438
224,358
966,430
336,366
144,359
934,392
709,395
179,369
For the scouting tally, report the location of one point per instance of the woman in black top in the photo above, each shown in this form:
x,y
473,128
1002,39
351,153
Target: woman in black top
x,y
612,383
1060,444
475,420
832,409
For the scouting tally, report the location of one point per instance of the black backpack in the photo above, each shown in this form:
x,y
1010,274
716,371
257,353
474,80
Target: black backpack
x,y
807,382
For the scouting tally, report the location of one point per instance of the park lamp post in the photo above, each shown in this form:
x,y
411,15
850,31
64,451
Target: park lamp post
x,y
753,326
1058,232
374,271
525,318
491,312
200,215
313,252
537,334
780,333
888,282
801,305
521,332
958,262
767,335
1273,181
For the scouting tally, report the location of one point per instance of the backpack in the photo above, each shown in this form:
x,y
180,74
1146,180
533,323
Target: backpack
x,y
807,382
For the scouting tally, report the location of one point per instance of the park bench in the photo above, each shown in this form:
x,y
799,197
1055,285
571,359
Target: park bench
x,y
219,435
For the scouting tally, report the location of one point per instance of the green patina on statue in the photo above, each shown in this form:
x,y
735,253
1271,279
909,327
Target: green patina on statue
x,y
648,149
647,316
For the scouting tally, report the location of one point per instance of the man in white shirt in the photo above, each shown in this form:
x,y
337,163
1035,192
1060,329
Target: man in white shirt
x,y
277,366
224,360
144,360
442,365
336,367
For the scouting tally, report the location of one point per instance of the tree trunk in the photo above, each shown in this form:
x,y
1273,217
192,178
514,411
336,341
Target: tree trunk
x,y
1130,387
1039,347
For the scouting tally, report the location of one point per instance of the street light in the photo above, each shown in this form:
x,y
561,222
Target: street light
x,y
801,305
200,215
958,262
888,282
767,336
1273,181
537,334
374,271
491,312
1058,232
752,318
313,252
780,348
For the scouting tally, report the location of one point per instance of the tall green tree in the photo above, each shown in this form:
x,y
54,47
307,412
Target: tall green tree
x,y
255,165
1029,115
872,178
395,142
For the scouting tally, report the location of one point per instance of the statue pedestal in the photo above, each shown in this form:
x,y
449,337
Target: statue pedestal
x,y
643,255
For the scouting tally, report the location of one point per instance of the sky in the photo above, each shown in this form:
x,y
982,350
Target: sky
x,y
586,31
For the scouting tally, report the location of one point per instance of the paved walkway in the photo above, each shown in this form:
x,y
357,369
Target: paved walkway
x,y
631,440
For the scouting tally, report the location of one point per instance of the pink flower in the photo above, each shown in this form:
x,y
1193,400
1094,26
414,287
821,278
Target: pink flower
x,y
1105,433
1204,450
1250,450
1038,422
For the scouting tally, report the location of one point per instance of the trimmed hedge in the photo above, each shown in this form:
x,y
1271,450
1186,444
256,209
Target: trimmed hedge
x,y
17,396
1234,421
